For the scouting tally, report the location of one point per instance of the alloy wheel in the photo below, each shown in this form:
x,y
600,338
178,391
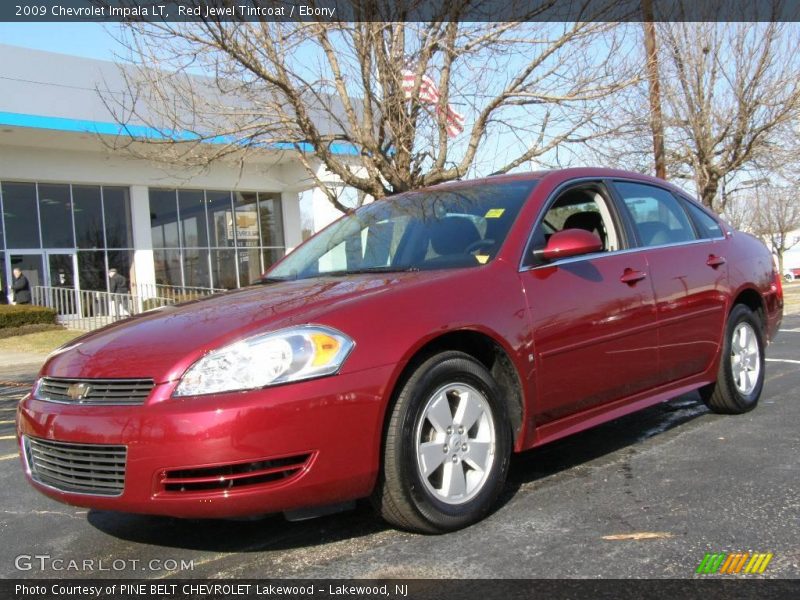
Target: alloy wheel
x,y
455,440
745,358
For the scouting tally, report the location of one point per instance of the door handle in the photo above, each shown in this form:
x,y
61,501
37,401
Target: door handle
x,y
715,261
631,276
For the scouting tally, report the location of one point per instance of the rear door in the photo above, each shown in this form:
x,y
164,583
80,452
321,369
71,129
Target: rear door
x,y
593,317
689,275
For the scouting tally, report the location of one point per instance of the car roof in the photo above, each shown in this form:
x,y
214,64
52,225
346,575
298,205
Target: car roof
x,y
560,175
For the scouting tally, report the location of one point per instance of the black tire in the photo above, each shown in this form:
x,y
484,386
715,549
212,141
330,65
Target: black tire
x,y
402,497
723,396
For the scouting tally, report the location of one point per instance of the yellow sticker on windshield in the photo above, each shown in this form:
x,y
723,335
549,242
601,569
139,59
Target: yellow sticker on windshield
x,y
482,258
495,213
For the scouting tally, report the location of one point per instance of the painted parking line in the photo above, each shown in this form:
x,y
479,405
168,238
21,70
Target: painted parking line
x,y
795,330
8,437
9,456
783,360
7,422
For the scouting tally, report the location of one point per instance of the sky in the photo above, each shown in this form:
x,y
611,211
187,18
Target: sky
x,y
90,40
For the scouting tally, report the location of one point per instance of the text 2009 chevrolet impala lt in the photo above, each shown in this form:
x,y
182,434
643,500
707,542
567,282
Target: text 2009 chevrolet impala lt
x,y
407,350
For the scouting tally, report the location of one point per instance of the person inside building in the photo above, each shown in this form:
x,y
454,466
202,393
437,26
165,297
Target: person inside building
x,y
20,288
117,284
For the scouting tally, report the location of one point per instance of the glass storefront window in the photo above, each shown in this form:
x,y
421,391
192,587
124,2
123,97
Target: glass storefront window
x,y
61,217
220,219
249,266
56,207
55,213
195,267
168,267
223,268
117,211
164,218
92,270
192,207
271,216
20,215
88,210
270,256
247,227
122,261
220,238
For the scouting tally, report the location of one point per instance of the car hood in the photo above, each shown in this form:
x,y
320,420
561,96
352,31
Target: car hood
x,y
161,344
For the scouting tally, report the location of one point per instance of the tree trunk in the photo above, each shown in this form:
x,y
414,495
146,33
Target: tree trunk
x,y
656,119
709,192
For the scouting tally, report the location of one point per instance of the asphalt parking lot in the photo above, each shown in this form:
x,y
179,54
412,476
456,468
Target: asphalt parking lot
x,y
698,481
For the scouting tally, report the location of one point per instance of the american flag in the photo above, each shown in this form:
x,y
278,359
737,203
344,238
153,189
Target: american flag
x,y
429,94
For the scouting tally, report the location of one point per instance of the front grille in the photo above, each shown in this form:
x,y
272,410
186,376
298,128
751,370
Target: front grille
x,y
95,391
97,469
236,475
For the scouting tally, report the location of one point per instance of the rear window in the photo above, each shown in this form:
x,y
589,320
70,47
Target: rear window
x,y
706,225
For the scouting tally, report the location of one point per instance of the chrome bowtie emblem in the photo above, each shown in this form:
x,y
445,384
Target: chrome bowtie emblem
x,y
78,391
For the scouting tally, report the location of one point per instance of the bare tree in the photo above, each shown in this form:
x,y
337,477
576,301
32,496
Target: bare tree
x,y
739,212
776,219
734,92
524,89
730,98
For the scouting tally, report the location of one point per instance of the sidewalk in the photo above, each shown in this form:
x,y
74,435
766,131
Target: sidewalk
x,y
20,366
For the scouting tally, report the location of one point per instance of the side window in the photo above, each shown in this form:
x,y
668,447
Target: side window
x,y
706,225
657,215
582,208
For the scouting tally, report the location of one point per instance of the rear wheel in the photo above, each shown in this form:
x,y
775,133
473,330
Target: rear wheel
x,y
741,371
447,447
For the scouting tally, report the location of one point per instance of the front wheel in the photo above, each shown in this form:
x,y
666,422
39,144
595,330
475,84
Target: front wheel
x,y
447,447
741,371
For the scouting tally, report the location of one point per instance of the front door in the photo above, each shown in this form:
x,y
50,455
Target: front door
x,y
61,269
593,317
31,265
49,268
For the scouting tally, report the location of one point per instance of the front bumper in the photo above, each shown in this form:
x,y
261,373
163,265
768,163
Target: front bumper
x,y
334,422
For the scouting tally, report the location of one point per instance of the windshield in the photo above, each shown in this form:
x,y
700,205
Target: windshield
x,y
441,229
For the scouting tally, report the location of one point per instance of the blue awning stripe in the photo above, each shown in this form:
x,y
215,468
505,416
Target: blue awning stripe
x,y
145,132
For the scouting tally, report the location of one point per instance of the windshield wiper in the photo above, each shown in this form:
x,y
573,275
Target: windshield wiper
x,y
387,269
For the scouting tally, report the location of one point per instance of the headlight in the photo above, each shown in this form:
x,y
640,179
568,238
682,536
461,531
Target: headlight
x,y
281,356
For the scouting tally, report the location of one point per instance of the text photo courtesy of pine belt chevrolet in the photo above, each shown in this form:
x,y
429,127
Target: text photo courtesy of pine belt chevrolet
x,y
407,350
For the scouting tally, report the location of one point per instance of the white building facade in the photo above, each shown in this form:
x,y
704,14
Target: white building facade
x,y
73,206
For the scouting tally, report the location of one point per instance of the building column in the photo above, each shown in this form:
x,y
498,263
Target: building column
x,y
292,226
142,240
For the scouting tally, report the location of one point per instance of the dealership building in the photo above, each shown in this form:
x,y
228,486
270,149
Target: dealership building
x,y
73,205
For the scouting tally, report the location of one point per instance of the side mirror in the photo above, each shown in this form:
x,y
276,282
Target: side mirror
x,y
570,242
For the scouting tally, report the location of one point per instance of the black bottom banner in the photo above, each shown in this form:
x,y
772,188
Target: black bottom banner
x,y
397,589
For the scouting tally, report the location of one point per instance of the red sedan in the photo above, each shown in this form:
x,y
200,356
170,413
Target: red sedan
x,y
407,350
